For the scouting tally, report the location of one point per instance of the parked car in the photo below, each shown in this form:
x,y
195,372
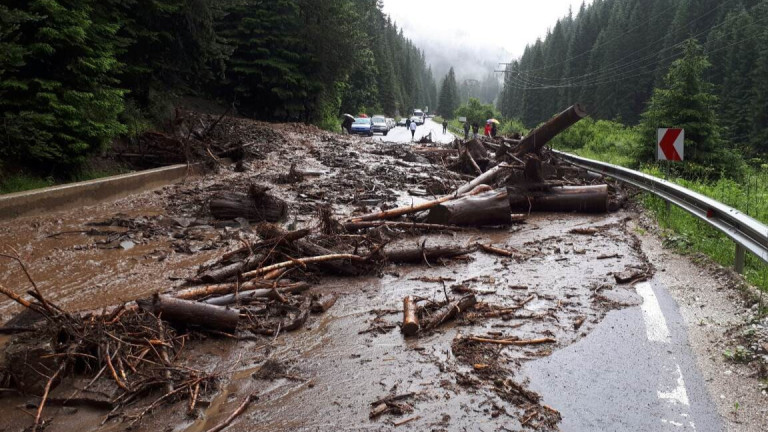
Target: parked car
x,y
391,122
401,122
380,124
362,126
418,120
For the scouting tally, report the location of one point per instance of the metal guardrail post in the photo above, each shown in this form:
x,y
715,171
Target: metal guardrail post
x,y
738,261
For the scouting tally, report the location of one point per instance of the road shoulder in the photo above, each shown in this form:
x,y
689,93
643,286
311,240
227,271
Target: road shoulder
x,y
714,309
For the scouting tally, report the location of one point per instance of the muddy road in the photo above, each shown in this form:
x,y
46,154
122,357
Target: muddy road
x,y
587,344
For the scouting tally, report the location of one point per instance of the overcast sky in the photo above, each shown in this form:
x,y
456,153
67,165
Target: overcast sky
x,y
469,33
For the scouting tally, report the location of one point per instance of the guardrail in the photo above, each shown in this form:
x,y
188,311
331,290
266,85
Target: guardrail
x,y
748,233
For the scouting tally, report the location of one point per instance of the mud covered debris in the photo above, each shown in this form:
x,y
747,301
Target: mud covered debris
x,y
354,238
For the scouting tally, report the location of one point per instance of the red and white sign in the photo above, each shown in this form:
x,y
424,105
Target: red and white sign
x,y
670,144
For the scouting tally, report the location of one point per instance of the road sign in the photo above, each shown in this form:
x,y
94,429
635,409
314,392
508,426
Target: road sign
x,y
462,119
669,145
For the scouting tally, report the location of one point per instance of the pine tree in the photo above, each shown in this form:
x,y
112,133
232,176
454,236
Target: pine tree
x,y
449,96
686,101
61,102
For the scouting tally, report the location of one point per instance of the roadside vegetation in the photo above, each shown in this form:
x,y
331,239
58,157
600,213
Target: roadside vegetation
x,y
77,75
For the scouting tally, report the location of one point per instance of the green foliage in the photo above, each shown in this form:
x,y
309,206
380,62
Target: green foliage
x,y
60,97
476,112
686,102
449,96
600,139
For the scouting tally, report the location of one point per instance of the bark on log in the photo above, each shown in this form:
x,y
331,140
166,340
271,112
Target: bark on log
x,y
410,321
247,296
192,313
450,311
419,254
537,138
490,208
487,178
587,199
226,288
476,149
392,213
227,272
257,205
323,303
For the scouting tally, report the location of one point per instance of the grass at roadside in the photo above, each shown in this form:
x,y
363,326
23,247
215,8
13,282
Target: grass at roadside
x,y
612,142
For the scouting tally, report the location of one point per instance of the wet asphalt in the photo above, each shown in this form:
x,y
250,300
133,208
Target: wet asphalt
x,y
634,372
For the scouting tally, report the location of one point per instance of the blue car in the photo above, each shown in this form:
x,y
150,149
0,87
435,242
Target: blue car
x,y
362,126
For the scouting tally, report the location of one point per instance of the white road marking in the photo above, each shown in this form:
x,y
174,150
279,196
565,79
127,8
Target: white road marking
x,y
677,395
655,324
657,331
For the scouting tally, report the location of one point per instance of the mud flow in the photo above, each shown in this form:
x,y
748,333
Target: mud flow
x,y
319,344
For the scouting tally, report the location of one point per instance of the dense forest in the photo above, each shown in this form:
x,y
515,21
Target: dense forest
x,y
614,55
76,74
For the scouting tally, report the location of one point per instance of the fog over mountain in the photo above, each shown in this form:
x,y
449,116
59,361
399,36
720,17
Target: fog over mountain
x,y
475,37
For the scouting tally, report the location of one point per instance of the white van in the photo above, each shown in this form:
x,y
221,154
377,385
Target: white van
x,y
420,114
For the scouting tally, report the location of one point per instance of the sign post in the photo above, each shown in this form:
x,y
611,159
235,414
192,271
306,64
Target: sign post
x,y
670,148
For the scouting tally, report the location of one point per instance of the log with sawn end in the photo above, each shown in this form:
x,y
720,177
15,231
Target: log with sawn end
x,y
192,313
410,321
537,138
490,208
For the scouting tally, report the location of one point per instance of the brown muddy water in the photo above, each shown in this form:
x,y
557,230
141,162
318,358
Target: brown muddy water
x,y
325,376
334,368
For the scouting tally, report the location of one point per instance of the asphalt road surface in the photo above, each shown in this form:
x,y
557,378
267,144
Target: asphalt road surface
x,y
401,134
635,372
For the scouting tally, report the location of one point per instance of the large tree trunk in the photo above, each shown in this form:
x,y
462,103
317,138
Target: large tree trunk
x,y
490,208
257,205
587,199
535,140
192,313
419,254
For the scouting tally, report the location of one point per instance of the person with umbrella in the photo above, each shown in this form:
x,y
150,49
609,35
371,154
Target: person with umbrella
x,y
346,124
466,130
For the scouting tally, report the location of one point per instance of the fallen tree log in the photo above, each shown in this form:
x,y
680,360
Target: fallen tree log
x,y
247,296
490,208
227,272
487,178
537,138
419,254
450,311
587,199
410,321
354,226
192,313
257,205
476,150
393,213
226,288
302,262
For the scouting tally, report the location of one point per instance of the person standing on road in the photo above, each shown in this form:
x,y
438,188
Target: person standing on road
x,y
346,124
475,129
445,126
412,127
493,130
466,130
408,124
487,131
